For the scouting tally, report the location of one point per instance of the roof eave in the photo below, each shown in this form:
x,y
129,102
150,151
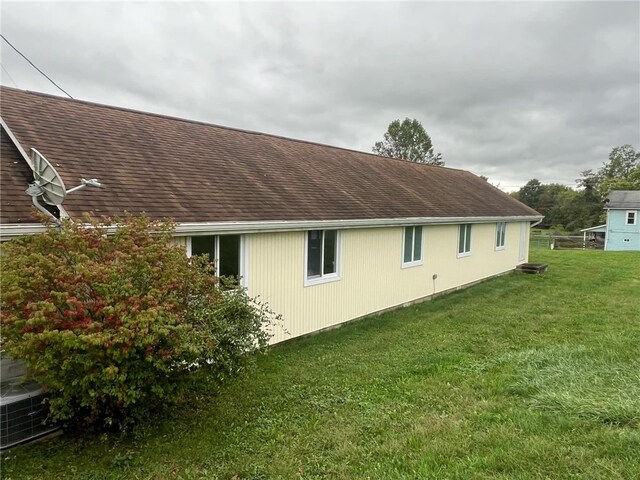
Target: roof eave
x,y
186,228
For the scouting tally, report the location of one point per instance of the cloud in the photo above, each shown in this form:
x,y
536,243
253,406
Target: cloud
x,y
508,90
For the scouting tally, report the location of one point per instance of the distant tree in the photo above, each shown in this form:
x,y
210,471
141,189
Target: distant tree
x,y
621,172
530,193
408,140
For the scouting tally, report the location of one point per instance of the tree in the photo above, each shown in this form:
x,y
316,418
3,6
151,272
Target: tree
x,y
113,324
530,193
408,140
621,172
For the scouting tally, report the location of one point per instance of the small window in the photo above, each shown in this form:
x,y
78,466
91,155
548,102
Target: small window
x,y
501,230
464,240
412,247
322,256
631,217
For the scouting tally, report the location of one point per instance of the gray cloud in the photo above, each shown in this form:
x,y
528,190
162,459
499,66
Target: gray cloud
x,y
508,90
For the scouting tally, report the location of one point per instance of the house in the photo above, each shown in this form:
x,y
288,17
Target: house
x,y
323,234
623,224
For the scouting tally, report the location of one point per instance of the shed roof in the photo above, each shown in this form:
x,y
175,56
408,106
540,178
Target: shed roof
x,y
624,199
198,172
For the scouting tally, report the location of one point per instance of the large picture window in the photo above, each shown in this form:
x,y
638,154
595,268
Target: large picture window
x,y
223,249
501,231
322,250
412,247
464,240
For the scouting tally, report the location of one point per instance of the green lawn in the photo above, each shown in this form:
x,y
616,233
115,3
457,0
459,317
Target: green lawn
x,y
522,376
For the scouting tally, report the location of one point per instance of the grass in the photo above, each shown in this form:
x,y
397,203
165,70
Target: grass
x,y
520,377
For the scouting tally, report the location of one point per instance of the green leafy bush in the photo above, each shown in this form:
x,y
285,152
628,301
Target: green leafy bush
x,y
112,318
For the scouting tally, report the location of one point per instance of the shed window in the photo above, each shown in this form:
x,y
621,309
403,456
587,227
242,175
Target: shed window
x,y
322,251
631,217
501,230
464,240
223,249
412,247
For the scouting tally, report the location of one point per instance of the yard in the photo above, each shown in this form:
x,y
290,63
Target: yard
x,y
523,376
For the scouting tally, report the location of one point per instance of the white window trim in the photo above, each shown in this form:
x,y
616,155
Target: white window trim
x,y
323,278
412,263
635,217
504,236
467,253
244,256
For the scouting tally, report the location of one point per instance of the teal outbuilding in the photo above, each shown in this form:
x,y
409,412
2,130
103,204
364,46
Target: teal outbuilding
x,y
623,224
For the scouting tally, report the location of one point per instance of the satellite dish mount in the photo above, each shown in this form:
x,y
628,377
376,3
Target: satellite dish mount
x,y
48,184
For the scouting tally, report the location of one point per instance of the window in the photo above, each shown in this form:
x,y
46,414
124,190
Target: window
x,y
631,217
322,253
412,247
464,240
501,230
223,249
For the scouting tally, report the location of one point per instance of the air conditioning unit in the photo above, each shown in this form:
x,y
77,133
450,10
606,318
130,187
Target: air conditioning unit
x,y
22,412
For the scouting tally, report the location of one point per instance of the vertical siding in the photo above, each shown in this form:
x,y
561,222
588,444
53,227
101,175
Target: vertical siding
x,y
372,278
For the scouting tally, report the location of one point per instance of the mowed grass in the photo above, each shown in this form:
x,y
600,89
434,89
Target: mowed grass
x,y
522,376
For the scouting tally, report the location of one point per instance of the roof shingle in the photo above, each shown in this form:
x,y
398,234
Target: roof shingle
x,y
197,172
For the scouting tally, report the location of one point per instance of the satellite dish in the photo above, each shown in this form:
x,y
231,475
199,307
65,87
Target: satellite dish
x,y
47,178
48,183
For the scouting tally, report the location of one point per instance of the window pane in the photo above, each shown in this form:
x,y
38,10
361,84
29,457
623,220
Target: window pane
x,y
314,246
461,234
408,241
330,251
417,245
229,261
501,227
468,239
204,245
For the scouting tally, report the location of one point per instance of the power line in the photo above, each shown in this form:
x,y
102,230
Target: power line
x,y
31,63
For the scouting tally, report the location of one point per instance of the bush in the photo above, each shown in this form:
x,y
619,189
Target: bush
x,y
114,324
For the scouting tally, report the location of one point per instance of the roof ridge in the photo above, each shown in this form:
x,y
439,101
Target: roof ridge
x,y
215,125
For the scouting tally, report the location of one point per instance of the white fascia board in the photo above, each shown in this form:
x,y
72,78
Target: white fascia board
x,y
12,230
190,228
8,231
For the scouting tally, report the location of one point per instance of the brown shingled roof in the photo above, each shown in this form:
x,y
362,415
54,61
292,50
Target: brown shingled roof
x,y
15,174
197,172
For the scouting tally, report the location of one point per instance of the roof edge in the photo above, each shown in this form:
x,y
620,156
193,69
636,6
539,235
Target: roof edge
x,y
12,230
186,228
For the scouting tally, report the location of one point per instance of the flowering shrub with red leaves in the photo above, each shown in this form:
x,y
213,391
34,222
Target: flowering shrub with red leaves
x,y
112,318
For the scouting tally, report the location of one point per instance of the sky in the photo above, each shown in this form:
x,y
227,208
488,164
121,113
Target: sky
x,y
508,90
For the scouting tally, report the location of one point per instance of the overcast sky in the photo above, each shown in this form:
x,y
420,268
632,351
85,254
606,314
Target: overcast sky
x,y
509,90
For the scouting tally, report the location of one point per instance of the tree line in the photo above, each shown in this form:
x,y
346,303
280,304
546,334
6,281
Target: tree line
x,y
572,209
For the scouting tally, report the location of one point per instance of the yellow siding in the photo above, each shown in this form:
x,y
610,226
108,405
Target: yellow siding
x,y
372,278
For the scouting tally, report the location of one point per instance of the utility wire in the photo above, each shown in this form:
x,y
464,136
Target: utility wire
x,y
31,63
9,75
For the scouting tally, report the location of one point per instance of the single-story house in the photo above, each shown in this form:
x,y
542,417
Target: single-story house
x,y
623,224
323,234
